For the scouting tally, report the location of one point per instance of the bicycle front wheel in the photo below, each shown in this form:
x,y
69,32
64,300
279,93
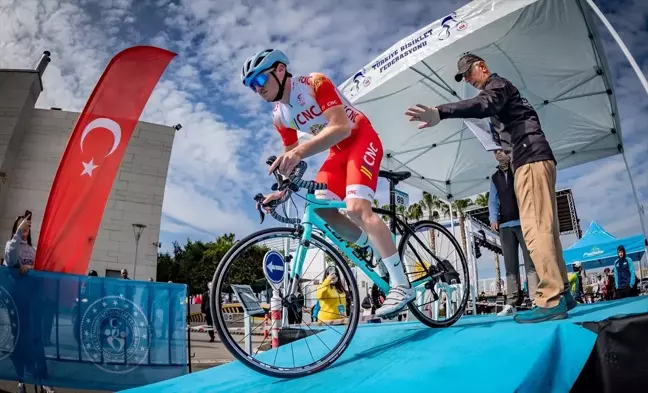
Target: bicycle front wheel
x,y
303,346
441,299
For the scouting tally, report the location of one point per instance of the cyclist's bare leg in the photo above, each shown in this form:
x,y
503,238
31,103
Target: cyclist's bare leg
x,y
401,292
341,224
350,231
360,212
361,218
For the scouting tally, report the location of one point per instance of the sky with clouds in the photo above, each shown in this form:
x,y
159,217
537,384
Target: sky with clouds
x,y
217,163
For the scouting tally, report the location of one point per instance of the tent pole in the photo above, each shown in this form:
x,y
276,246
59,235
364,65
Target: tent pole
x,y
641,218
618,40
451,218
644,83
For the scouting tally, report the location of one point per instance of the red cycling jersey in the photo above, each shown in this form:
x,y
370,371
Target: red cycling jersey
x,y
351,169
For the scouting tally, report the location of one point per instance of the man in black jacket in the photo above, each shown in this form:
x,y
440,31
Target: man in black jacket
x,y
534,166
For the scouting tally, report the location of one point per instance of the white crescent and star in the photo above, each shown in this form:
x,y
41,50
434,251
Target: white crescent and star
x,y
109,125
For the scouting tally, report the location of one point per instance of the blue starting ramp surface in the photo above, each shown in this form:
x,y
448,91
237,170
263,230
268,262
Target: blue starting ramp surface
x,y
478,354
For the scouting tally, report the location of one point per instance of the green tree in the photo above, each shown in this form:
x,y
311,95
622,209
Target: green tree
x,y
415,212
385,218
482,199
194,264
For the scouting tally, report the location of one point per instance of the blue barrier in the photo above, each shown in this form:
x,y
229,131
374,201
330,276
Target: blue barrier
x,y
120,334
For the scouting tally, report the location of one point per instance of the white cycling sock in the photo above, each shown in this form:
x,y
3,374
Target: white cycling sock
x,y
396,272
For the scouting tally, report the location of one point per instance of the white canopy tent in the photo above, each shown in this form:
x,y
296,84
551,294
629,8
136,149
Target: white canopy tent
x,y
549,49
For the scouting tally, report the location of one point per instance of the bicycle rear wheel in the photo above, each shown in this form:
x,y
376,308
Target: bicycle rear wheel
x,y
449,291
320,336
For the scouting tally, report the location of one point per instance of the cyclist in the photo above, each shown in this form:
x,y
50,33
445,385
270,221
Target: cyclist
x,y
313,104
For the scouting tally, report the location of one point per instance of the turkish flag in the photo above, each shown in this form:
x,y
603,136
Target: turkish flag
x,y
92,157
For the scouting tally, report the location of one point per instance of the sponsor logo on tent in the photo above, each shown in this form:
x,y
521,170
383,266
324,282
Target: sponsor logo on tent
x,y
450,22
593,252
360,81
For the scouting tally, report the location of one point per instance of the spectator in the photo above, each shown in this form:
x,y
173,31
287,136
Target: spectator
x,y
21,254
124,274
331,296
535,176
205,308
576,282
600,285
505,218
608,284
315,311
482,307
624,275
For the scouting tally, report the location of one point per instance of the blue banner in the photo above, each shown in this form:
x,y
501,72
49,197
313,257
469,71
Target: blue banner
x,y
90,332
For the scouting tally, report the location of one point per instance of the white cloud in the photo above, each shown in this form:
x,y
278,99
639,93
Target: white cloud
x,y
209,215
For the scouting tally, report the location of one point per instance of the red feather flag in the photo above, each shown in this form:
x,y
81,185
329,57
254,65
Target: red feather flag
x,y
92,158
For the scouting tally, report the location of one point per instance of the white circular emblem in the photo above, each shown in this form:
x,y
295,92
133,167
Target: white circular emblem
x,y
115,334
9,324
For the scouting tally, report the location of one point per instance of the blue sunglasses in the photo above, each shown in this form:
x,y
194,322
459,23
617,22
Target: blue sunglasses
x,y
258,81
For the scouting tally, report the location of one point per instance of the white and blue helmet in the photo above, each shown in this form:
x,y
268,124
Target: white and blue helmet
x,y
260,62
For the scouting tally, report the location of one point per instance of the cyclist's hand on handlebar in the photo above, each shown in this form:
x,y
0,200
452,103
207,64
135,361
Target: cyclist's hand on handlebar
x,y
272,197
286,162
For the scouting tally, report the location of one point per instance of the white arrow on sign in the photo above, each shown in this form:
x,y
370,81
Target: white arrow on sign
x,y
272,267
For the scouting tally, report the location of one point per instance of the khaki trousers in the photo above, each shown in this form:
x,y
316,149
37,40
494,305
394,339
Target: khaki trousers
x,y
535,189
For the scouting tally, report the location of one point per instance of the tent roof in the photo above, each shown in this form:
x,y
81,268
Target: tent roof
x,y
548,49
594,235
598,248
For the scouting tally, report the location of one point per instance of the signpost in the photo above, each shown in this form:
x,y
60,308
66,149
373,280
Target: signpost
x,y
274,269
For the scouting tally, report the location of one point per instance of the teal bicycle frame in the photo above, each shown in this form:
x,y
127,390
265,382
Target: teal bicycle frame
x,y
312,219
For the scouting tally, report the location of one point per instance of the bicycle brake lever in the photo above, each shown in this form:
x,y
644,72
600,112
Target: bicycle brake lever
x,y
259,199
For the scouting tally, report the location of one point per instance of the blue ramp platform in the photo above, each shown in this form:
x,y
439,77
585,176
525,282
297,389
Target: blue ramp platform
x,y
478,354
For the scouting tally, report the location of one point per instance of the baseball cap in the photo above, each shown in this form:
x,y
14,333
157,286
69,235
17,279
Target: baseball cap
x,y
464,63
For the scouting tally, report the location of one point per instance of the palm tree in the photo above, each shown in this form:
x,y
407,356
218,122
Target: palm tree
x,y
482,200
385,218
415,212
400,210
460,206
432,204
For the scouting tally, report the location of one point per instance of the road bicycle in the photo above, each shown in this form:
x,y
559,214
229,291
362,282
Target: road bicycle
x,y
312,234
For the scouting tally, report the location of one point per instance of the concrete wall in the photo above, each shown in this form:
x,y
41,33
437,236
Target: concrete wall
x,y
136,195
19,91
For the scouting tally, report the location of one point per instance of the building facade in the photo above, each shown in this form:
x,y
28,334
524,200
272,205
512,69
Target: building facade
x,y
32,142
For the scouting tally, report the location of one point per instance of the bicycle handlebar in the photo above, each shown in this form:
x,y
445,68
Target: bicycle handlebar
x,y
290,184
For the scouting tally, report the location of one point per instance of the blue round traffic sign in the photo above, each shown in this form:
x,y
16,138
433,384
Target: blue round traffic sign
x,y
274,267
